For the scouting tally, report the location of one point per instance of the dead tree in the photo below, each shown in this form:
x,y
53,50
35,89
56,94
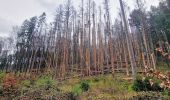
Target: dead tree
x,y
129,45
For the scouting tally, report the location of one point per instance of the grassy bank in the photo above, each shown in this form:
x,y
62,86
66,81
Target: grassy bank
x,y
101,87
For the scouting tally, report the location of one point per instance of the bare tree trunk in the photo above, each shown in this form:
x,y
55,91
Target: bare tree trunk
x,y
129,45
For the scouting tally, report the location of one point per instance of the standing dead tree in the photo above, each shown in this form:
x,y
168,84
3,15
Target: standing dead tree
x,y
83,42
129,45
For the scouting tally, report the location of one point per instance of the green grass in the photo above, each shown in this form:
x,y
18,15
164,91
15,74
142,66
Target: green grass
x,y
2,74
162,66
105,87
45,81
100,87
166,94
76,90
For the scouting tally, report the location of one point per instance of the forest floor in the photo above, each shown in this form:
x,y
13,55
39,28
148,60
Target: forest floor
x,y
100,87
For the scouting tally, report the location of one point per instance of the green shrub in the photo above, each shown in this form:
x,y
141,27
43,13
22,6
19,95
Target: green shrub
x,y
85,86
138,84
130,88
45,82
25,86
156,87
144,85
147,85
77,90
82,87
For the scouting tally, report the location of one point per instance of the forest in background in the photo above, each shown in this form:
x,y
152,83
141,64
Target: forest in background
x,y
85,43
85,40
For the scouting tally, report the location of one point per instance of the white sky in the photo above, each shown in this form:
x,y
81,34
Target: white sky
x,y
14,12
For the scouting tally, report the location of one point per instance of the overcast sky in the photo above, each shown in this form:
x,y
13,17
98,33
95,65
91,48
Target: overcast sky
x,y
14,12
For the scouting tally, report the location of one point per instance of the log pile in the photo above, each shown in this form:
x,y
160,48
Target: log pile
x,y
165,79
